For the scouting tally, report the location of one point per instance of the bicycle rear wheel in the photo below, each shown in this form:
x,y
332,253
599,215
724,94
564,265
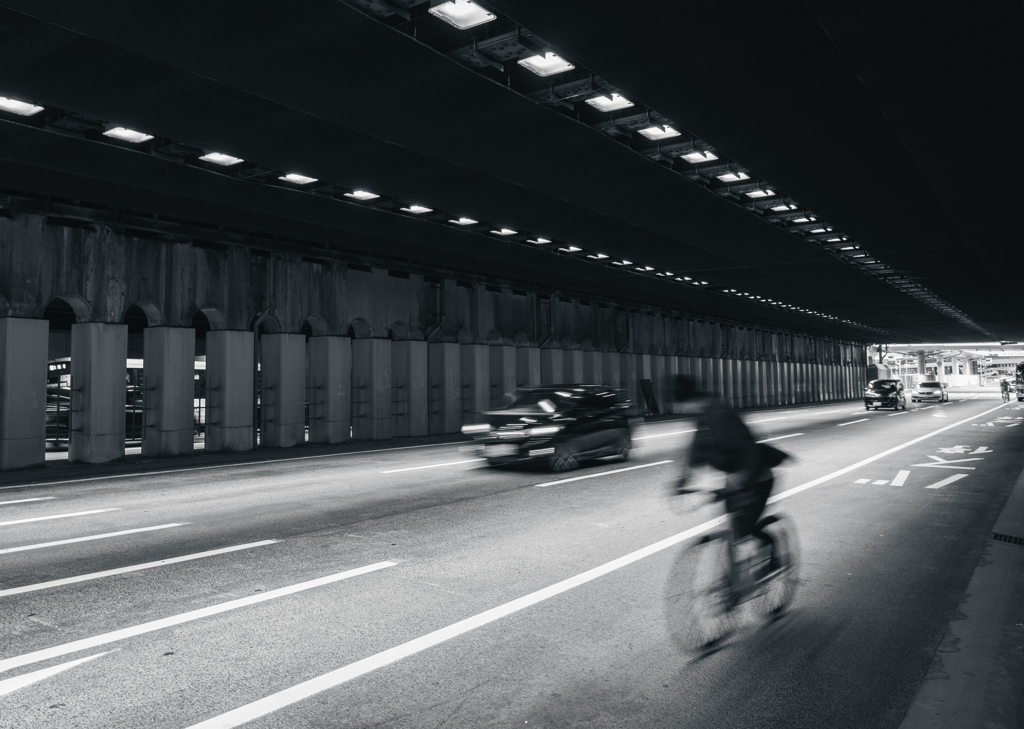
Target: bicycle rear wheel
x,y
780,586
705,600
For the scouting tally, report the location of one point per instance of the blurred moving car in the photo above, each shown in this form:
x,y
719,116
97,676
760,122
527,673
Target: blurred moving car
x,y
562,425
885,394
937,391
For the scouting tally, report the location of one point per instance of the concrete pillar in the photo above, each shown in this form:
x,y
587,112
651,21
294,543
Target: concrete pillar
x,y
409,392
371,389
745,375
921,376
169,365
330,389
551,371
572,366
527,366
282,390
727,388
591,368
789,382
503,375
444,374
23,357
672,370
705,381
476,381
628,378
229,390
611,369
99,353
658,382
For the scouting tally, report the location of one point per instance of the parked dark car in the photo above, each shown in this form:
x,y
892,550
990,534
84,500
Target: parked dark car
x,y
885,394
560,425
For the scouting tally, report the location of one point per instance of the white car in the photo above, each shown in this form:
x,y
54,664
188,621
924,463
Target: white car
x,y
937,391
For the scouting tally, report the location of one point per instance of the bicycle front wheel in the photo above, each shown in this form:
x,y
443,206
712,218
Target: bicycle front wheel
x,y
700,601
779,587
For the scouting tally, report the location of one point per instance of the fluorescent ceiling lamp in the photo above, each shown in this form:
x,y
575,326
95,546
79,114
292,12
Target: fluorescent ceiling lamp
x,y
703,283
848,248
570,249
226,160
734,176
645,268
462,14
597,256
547,65
687,278
767,192
297,179
464,221
22,108
623,263
417,209
799,220
537,241
128,135
695,157
821,230
603,103
504,231
657,133
361,195
833,240
783,207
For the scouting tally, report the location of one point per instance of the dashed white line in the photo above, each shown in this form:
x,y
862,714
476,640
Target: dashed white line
x,y
901,478
851,422
435,465
18,682
947,481
25,501
132,568
55,516
603,473
863,480
783,417
62,542
900,413
779,437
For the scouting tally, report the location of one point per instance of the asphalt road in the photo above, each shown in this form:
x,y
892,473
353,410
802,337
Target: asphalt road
x,y
415,587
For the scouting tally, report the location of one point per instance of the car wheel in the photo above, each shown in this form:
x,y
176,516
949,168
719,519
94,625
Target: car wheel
x,y
623,446
565,458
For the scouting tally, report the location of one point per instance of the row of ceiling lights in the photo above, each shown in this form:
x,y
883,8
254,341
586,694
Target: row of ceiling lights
x,y
222,160
466,14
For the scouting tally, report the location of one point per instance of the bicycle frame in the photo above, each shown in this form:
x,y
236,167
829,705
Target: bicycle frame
x,y
747,573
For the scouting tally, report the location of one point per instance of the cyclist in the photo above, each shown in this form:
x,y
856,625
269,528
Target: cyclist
x,y
724,442
1004,387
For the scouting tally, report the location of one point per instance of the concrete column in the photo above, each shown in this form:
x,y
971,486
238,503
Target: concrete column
x,y
371,389
726,389
572,366
527,366
551,372
282,390
789,382
706,380
922,377
747,394
330,389
611,371
99,353
503,375
672,370
591,368
476,381
714,376
229,390
23,356
444,373
409,393
169,366
628,378
658,369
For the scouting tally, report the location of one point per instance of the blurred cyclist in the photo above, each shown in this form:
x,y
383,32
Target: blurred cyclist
x,y
723,441
1004,387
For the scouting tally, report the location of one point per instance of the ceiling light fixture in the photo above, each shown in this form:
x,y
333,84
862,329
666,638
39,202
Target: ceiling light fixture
x,y
570,249
127,135
462,14
623,262
547,65
504,231
21,108
657,133
697,157
362,195
767,192
784,206
224,160
614,103
417,209
733,176
597,256
537,241
464,221
297,179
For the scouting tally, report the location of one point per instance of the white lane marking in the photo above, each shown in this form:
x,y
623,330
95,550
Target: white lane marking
x,y
132,568
779,437
851,422
13,684
435,465
939,462
783,417
55,516
927,408
901,413
97,640
862,480
981,449
23,501
879,483
947,481
662,435
603,473
272,703
10,550
901,478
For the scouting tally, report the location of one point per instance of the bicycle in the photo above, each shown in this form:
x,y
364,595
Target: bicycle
x,y
730,572
1006,395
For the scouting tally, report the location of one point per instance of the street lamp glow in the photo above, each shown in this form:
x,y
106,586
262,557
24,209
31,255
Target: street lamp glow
x,y
462,14
225,160
21,108
547,65
127,135
614,103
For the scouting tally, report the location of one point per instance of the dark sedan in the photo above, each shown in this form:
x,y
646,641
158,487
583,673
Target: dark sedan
x,y
560,425
885,394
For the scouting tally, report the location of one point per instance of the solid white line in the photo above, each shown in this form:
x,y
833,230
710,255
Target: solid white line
x,y
132,568
436,465
900,413
851,422
23,501
901,478
947,481
752,422
55,516
603,473
97,640
272,703
662,435
779,437
9,550
13,684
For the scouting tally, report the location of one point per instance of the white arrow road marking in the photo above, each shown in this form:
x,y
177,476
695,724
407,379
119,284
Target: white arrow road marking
x,y
947,481
901,478
942,463
13,684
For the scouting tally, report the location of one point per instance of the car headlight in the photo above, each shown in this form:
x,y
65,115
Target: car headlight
x,y
476,429
544,430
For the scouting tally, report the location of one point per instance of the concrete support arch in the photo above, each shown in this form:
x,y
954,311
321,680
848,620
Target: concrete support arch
x,y
213,315
318,325
359,329
398,332
154,316
81,307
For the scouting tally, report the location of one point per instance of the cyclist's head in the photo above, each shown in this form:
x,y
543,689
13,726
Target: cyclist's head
x,y
684,388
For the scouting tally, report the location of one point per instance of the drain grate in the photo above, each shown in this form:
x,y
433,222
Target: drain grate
x,y
1019,541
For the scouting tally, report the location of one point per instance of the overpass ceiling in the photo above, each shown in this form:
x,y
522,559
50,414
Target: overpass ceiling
x,y
898,124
